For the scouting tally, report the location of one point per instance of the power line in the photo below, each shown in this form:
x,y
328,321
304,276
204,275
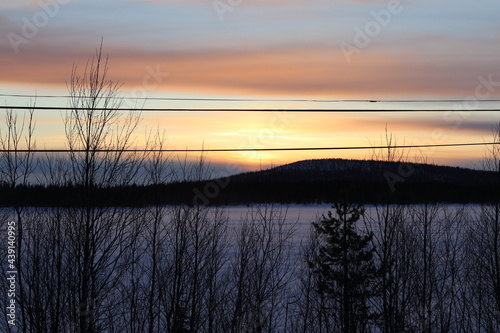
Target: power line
x,y
313,100
305,110
245,149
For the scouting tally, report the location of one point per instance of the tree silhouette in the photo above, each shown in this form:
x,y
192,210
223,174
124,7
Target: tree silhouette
x,y
345,267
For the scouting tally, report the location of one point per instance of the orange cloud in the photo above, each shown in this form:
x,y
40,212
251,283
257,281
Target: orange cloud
x,y
313,71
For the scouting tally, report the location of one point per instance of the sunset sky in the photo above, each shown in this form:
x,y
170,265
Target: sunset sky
x,y
272,54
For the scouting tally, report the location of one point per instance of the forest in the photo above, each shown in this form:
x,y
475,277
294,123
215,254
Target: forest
x,y
303,182
97,267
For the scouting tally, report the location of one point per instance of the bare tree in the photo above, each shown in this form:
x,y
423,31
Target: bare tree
x,y
157,169
309,311
392,246
484,252
436,267
101,236
491,161
391,242
451,280
16,171
390,153
190,270
260,273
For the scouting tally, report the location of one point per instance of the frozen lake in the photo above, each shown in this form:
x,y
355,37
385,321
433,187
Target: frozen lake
x,y
300,215
303,215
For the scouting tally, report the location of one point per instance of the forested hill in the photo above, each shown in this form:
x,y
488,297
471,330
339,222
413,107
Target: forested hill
x,y
366,171
310,181
361,180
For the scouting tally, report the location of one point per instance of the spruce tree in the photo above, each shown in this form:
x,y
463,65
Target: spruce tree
x,y
345,266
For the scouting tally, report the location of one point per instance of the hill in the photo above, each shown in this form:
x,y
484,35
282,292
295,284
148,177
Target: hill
x,y
309,181
313,181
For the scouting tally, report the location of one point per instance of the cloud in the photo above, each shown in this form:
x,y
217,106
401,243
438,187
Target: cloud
x,y
276,59
15,4
320,71
364,2
29,5
293,71
204,2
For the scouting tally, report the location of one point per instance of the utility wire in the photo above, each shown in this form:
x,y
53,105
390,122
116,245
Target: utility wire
x,y
265,99
244,149
63,108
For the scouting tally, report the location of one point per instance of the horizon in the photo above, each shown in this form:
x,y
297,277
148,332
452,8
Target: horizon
x,y
273,55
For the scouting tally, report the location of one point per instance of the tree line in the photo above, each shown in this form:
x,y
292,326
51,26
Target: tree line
x,y
103,268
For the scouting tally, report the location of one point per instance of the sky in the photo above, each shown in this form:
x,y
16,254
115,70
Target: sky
x,y
279,55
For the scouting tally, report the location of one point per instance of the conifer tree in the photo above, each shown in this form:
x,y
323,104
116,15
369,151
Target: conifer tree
x,y
345,267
